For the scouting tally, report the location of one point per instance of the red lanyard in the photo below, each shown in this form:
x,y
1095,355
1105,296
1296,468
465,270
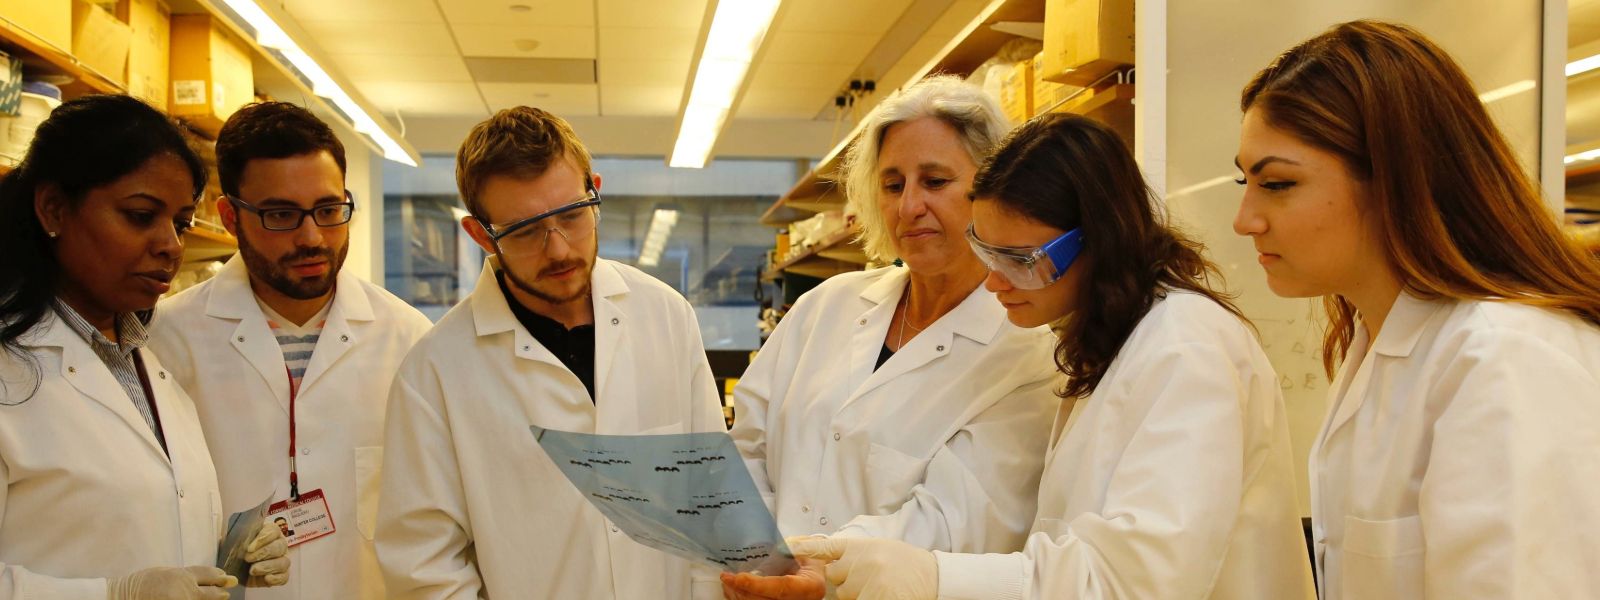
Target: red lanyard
x,y
294,475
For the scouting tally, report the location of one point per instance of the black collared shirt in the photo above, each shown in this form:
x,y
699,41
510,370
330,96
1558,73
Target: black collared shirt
x,y
573,347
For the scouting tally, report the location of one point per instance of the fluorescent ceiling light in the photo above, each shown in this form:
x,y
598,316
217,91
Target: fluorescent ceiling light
x,y
270,35
655,238
1508,91
737,30
1581,156
1583,65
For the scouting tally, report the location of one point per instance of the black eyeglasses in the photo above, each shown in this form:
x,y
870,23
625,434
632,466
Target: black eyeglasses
x,y
289,218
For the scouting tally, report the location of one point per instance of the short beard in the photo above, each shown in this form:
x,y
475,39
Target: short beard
x,y
276,273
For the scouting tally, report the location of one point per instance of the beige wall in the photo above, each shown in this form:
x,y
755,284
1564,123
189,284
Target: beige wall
x,y
1212,48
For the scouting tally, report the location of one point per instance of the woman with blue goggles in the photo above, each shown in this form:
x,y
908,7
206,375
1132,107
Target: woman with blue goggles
x,y
1170,472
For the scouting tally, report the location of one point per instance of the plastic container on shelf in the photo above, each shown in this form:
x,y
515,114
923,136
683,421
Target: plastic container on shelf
x,y
35,109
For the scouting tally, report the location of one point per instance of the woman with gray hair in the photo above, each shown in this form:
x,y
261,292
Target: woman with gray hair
x,y
899,402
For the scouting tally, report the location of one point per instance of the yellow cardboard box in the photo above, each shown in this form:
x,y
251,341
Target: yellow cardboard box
x,y
150,51
1047,94
210,71
1085,40
50,20
99,40
1016,93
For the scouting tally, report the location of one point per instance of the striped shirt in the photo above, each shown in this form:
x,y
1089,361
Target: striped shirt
x,y
118,356
297,342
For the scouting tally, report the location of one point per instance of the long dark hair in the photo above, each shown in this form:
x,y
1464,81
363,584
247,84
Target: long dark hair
x,y
1067,171
1456,214
84,144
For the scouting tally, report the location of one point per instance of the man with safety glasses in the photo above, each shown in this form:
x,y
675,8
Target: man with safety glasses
x,y
288,357
552,336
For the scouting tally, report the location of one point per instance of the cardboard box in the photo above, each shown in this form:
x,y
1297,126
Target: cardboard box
x,y
150,51
99,40
1085,40
49,20
210,71
1047,94
1016,92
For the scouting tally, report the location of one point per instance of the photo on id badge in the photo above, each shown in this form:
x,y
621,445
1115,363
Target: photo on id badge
x,y
302,520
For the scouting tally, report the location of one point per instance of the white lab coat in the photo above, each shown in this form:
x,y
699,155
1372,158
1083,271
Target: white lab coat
x,y
88,492
1461,458
472,507
940,448
215,339
1173,479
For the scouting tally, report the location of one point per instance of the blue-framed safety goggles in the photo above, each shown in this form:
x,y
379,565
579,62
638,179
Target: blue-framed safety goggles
x,y
1029,268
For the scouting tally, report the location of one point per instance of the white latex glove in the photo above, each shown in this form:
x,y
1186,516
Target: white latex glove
x,y
874,569
171,583
269,565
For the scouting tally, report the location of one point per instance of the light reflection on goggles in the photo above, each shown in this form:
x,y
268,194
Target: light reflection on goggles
x,y
1029,268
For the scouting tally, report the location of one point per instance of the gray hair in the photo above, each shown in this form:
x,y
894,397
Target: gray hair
x,y
974,115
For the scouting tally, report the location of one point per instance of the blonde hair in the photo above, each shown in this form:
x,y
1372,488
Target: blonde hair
x,y
974,115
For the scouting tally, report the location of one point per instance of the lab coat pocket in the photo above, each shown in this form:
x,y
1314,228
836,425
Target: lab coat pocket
x,y
369,468
890,476
1382,559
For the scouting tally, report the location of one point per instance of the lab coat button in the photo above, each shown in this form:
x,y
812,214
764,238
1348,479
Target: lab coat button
x,y
72,369
614,530
616,321
941,348
162,374
822,521
836,437
344,338
305,452
240,338
805,508
861,322
180,492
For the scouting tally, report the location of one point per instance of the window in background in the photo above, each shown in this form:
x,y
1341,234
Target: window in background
x,y
698,231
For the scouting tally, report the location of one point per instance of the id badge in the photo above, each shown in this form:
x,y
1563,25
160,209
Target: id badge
x,y
303,520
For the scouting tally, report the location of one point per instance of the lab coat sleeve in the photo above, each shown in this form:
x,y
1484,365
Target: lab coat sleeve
x,y
706,415
753,403
18,583
1510,504
979,490
422,541
1170,504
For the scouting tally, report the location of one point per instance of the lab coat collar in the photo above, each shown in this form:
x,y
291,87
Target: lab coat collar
x,y
232,297
84,370
491,309
1407,320
979,317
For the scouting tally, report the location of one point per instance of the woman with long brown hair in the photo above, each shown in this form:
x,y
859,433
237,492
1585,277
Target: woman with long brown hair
x,y
1170,472
1459,459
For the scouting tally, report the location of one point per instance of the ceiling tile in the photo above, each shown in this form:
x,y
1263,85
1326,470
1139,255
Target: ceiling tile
x,y
543,13
795,76
393,39
664,73
503,40
424,99
843,16
780,104
372,67
627,100
647,43
567,100
676,14
803,47
372,11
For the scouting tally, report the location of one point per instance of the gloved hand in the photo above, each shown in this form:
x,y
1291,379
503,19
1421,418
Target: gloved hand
x,y
873,569
269,565
806,583
171,583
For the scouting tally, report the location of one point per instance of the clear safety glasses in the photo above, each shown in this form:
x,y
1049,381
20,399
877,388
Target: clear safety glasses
x,y
575,222
1029,268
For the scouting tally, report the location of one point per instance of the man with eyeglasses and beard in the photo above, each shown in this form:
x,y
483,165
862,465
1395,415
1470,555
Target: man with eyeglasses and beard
x,y
288,358
552,336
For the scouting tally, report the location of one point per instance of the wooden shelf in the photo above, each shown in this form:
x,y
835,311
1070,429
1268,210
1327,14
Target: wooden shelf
x,y
44,56
838,253
203,244
822,190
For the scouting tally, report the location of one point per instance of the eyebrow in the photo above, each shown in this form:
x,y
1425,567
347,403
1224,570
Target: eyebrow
x,y
144,196
287,202
1260,164
927,166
